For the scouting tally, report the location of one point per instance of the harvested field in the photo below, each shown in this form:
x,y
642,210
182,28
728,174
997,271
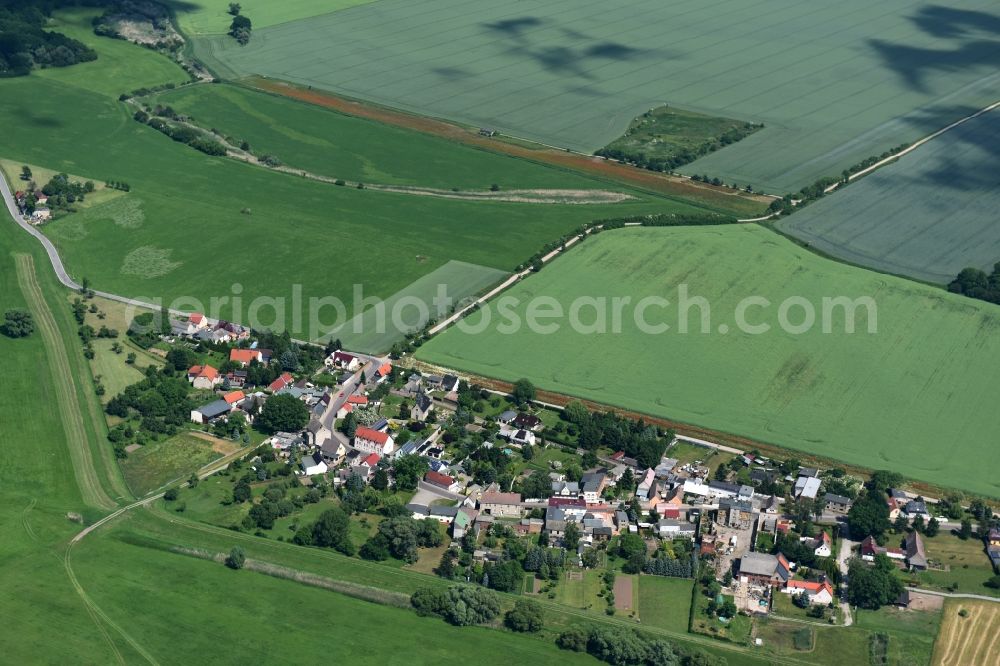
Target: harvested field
x,y
973,639
624,600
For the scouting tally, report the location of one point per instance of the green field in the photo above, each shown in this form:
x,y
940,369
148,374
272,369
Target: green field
x,y
665,602
194,226
212,16
159,463
967,563
927,216
911,633
322,141
912,397
833,83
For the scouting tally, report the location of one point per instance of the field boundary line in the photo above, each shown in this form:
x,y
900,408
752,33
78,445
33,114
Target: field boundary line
x,y
65,387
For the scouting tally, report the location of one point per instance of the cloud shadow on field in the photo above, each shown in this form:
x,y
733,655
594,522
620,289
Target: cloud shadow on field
x,y
974,43
38,120
452,73
971,166
573,58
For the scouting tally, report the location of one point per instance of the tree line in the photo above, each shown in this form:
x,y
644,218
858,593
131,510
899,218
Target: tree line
x,y
25,43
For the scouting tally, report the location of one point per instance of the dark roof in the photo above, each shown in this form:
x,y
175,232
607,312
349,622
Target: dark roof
x,y
214,409
527,421
836,499
424,402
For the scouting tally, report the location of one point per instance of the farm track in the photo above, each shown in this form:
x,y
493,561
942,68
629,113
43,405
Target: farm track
x,y
67,400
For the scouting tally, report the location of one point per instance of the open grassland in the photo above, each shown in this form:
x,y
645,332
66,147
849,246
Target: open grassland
x,y
194,226
911,632
833,83
337,145
972,639
120,66
159,463
927,216
912,397
665,602
197,17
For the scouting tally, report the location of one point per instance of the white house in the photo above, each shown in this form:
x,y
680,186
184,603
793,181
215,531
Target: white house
x,y
523,437
313,464
817,593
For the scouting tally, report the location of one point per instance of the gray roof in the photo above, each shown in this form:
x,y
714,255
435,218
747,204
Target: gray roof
x,y
836,499
424,402
214,409
758,564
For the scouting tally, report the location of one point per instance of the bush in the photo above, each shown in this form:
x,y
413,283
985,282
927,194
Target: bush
x,y
236,559
526,616
171,494
18,324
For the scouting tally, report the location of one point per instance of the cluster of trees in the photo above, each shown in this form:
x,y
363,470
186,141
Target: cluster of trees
x,y
62,192
119,185
161,400
461,605
240,27
182,134
646,443
146,328
976,283
869,515
873,586
635,155
331,530
400,537
24,41
283,412
526,616
17,324
626,647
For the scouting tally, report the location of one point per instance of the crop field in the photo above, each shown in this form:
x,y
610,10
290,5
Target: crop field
x,y
972,639
193,226
911,632
912,397
927,216
833,83
198,17
337,145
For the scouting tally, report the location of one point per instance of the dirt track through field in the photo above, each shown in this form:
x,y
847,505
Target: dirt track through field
x,y
67,403
971,639
597,166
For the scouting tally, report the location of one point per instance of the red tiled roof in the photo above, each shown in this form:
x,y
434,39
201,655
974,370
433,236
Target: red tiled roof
x,y
358,400
281,382
371,435
343,357
371,460
567,501
243,355
206,371
234,396
438,479
385,369
810,586
196,318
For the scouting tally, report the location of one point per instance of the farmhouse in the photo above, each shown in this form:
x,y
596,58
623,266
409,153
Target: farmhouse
x,y
807,487
816,592
235,398
344,361
765,569
441,481
373,441
527,422
501,505
203,376
869,549
281,382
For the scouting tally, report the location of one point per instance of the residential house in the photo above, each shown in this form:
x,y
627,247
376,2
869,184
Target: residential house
x,y
441,481
736,513
464,519
245,356
819,593
914,508
916,557
421,407
807,487
573,507
373,441
313,464
334,452
41,214
837,503
501,505
670,529
199,320
565,488
822,545
344,361
869,549
318,433
203,376
507,417
527,422
211,412
234,398
765,569
593,484
993,547
449,383
523,437
281,382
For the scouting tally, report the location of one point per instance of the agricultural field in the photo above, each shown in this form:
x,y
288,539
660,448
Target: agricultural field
x,y
211,17
665,602
173,459
969,633
215,223
871,399
911,633
337,145
927,216
850,80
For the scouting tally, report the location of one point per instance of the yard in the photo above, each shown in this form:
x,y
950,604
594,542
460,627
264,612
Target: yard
x,y
869,399
969,567
579,588
665,602
169,460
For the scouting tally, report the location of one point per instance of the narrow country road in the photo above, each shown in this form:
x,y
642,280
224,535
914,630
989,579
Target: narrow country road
x,y
845,554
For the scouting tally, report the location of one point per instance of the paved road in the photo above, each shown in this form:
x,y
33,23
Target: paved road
x,y
845,553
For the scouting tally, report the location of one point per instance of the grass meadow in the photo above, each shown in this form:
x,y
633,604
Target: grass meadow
x,y
912,397
927,216
665,602
849,80
173,459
